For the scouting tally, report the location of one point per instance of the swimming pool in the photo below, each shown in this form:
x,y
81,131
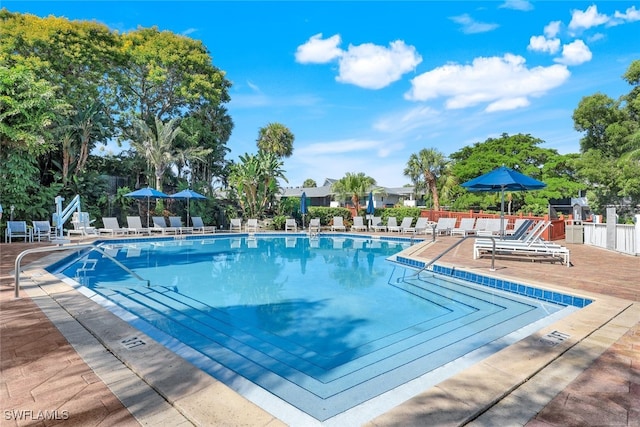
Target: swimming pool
x,y
325,324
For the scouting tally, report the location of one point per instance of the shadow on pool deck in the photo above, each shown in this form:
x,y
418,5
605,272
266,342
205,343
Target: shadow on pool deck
x,y
595,382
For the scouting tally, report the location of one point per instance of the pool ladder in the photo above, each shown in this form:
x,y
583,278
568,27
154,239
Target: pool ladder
x,y
67,248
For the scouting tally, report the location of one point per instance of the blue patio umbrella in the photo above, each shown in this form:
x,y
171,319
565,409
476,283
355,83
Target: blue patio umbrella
x,y
147,193
501,179
303,207
188,194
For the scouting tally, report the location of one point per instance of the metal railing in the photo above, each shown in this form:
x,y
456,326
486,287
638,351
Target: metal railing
x,y
67,248
443,253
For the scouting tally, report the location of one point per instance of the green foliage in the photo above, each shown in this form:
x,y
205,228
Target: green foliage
x,y
289,206
28,109
309,183
425,169
353,186
278,222
19,186
326,214
276,138
255,182
399,213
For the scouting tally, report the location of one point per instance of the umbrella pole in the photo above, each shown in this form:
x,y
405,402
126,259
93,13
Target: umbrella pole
x,y
502,214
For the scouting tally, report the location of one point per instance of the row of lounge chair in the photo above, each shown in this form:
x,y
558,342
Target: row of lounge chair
x,y
160,226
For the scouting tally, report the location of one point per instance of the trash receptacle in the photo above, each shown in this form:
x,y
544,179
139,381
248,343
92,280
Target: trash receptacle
x,y
574,232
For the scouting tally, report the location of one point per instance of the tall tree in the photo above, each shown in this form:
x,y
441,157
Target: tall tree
x,y
276,138
157,145
209,127
167,75
424,169
27,109
610,162
354,186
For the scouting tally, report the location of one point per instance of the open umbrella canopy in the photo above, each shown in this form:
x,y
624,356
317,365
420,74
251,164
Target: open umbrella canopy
x,y
188,194
147,193
502,179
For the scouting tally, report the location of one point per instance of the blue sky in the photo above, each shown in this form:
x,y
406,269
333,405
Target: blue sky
x,y
363,85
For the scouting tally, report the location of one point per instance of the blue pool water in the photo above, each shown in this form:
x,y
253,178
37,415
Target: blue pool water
x,y
325,324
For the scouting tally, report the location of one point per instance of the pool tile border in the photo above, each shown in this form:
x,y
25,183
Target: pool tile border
x,y
497,283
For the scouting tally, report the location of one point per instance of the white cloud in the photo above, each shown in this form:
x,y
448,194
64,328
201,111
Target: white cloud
x,y
319,51
543,44
630,15
508,104
501,82
575,53
589,18
374,67
335,147
523,5
552,29
406,121
471,26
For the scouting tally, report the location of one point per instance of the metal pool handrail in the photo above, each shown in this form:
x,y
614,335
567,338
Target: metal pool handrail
x,y
493,254
66,248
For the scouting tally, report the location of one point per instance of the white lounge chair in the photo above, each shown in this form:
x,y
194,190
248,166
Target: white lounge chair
x,y
491,227
176,222
358,224
43,230
466,227
17,230
251,225
160,226
392,224
290,225
199,227
134,224
314,225
82,225
338,224
528,244
235,224
377,225
405,225
443,226
421,225
112,227
518,222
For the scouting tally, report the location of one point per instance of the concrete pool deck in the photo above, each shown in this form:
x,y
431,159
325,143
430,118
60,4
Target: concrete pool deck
x,y
590,378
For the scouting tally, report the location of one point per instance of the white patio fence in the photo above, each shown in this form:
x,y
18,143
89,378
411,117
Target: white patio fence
x,y
626,238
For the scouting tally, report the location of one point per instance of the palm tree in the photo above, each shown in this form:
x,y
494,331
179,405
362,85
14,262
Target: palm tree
x,y
424,169
157,145
353,186
276,138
